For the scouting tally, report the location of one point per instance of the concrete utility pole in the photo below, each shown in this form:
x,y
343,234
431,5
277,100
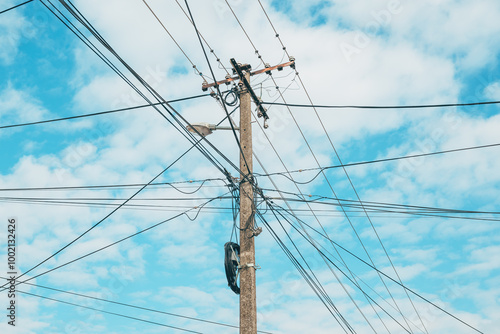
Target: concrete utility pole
x,y
248,298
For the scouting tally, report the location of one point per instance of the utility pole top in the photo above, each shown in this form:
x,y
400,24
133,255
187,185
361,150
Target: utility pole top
x,y
240,70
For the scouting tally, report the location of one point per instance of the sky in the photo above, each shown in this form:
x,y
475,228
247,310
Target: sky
x,y
347,53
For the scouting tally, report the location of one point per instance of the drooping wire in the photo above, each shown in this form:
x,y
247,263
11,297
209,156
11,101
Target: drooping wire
x,y
16,6
115,186
422,106
98,113
184,213
135,306
173,39
320,169
108,312
352,280
221,65
382,273
316,160
247,176
308,279
105,217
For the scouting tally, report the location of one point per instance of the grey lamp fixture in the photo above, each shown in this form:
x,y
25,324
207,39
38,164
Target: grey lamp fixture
x,y
205,129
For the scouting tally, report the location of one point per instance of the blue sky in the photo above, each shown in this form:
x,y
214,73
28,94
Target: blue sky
x,y
347,53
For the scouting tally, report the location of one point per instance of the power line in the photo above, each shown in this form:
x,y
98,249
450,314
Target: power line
x,y
176,123
122,239
101,112
422,106
375,209
107,216
247,176
24,3
382,273
114,186
74,11
310,149
315,286
316,218
172,37
135,306
108,312
221,65
376,161
354,281
371,204
355,277
352,185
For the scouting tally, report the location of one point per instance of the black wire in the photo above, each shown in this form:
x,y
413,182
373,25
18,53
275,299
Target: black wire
x,y
24,3
172,112
107,216
75,12
107,312
108,185
99,113
373,161
338,268
382,107
134,306
384,207
376,269
312,284
246,176
113,243
300,198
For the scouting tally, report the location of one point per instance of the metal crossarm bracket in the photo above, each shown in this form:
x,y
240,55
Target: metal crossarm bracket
x,y
267,70
238,68
249,265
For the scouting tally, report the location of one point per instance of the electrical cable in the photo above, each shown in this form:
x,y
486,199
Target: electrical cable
x,y
313,285
377,161
114,186
376,205
173,113
117,242
108,312
172,37
221,65
326,262
310,209
422,106
355,283
387,276
248,176
105,217
98,113
135,306
21,4
260,57
355,277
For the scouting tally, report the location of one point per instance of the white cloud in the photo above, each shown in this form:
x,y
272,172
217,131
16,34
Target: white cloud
x,y
17,106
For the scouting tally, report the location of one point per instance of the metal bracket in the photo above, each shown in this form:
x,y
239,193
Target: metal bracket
x,y
250,265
